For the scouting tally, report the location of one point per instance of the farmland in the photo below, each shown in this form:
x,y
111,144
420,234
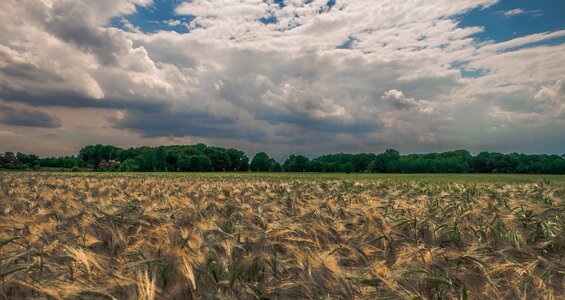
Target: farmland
x,y
281,236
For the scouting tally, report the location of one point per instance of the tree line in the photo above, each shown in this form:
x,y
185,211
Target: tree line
x,y
203,158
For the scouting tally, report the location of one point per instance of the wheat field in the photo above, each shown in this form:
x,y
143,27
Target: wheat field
x,y
153,237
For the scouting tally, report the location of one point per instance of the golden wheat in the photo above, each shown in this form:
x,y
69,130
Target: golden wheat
x,y
150,237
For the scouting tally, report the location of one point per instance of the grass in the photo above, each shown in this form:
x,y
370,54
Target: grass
x,y
281,236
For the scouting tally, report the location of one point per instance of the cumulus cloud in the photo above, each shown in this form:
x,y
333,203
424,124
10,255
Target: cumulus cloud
x,y
554,93
398,100
553,98
263,74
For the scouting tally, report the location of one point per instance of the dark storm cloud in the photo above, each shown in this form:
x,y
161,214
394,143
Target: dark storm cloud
x,y
76,100
26,71
179,124
72,22
97,42
28,117
330,125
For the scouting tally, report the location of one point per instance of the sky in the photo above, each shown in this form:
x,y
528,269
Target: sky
x,y
283,76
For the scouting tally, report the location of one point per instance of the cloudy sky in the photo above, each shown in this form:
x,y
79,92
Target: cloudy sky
x,y
283,76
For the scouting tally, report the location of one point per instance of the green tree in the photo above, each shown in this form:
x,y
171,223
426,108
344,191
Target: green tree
x,y
171,160
348,167
275,166
220,160
200,163
296,163
238,159
159,160
129,165
261,162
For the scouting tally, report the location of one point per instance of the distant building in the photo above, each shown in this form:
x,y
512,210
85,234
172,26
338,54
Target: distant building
x,y
9,158
104,164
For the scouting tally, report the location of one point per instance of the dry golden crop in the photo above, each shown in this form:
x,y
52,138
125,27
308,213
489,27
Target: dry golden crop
x,y
156,237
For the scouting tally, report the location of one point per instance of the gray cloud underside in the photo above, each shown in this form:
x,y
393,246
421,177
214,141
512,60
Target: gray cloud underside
x,y
28,117
287,83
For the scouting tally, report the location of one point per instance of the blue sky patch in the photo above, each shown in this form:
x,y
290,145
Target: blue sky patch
x,y
467,72
268,20
347,44
280,3
158,16
509,19
470,73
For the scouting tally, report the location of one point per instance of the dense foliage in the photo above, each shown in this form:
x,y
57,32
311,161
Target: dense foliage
x,y
203,158
18,161
199,157
458,161
263,163
61,162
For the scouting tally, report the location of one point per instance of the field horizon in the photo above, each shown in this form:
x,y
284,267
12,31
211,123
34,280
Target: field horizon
x,y
423,177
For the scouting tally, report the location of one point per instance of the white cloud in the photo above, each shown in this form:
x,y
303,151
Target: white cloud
x,y
554,93
522,41
513,12
553,98
174,23
519,11
398,100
